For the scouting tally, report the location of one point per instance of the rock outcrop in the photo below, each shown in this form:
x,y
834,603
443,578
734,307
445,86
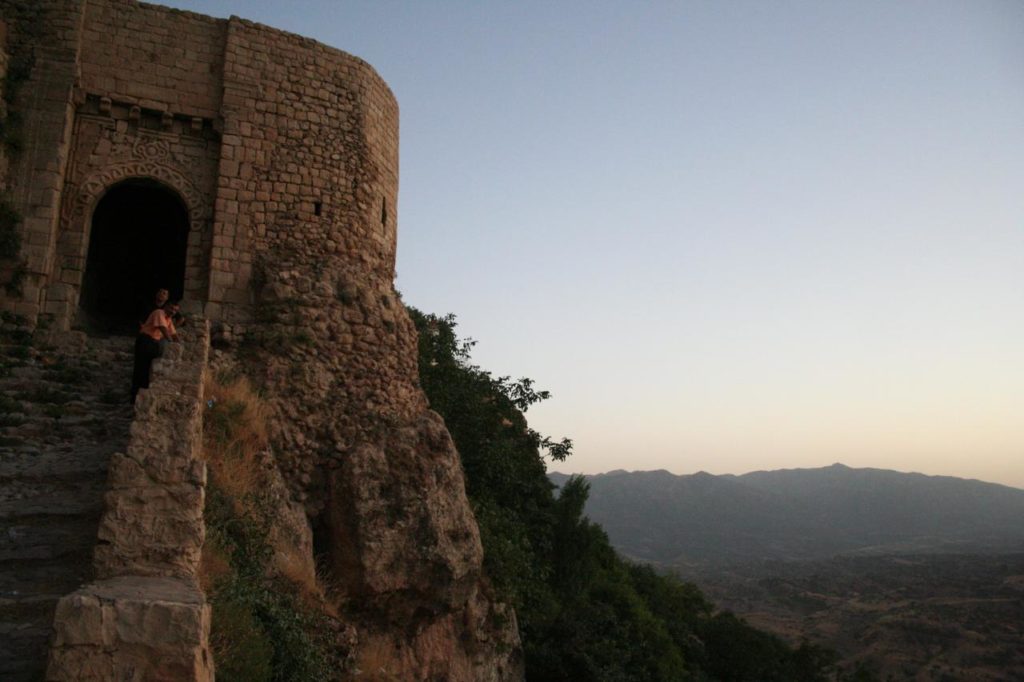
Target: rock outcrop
x,y
403,541
375,470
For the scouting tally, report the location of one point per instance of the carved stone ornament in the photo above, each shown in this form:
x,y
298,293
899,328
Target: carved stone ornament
x,y
96,185
146,148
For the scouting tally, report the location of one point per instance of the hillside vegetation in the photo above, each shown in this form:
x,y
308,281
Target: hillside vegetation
x,y
584,613
800,514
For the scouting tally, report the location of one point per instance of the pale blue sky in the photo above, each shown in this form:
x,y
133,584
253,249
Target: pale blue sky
x,y
726,235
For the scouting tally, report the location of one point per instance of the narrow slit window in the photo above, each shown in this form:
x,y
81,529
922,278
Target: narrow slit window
x,y
384,212
318,208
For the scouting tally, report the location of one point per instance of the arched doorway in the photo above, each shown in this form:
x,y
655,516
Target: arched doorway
x,y
137,244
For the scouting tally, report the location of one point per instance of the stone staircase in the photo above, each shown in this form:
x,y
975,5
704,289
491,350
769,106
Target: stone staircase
x,y
63,412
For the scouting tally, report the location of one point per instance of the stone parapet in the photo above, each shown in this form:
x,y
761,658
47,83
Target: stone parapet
x,y
145,617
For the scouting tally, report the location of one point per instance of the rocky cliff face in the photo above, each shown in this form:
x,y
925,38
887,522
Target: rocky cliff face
x,y
374,471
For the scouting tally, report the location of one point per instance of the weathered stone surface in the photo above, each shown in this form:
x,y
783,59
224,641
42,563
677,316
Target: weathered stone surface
x,y
146,619
153,523
404,539
478,643
291,536
151,529
377,474
132,628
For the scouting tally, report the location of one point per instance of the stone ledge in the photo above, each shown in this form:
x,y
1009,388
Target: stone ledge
x,y
132,628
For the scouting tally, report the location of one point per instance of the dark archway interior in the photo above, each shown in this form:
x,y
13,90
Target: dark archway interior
x,y
138,245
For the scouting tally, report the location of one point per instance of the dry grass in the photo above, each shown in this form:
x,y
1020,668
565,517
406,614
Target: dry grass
x,y
335,598
290,565
234,435
234,443
312,586
261,627
376,659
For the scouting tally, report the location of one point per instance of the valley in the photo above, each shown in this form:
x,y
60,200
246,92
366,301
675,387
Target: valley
x,y
922,617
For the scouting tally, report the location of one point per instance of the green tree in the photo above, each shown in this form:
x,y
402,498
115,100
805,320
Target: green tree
x,y
585,614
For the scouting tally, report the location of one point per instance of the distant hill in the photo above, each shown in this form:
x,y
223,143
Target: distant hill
x,y
800,514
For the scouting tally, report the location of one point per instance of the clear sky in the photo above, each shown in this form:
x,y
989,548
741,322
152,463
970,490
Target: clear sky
x,y
726,236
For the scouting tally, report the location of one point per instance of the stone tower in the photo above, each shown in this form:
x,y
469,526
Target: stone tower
x,y
221,139
254,173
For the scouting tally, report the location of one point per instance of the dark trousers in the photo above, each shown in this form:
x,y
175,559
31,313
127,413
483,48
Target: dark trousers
x,y
147,349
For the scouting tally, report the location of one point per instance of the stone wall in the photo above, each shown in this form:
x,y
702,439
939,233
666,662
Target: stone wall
x,y
177,57
114,141
145,617
46,33
309,162
147,106
275,143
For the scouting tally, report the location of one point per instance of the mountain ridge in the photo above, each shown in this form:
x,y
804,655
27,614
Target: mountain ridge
x,y
682,520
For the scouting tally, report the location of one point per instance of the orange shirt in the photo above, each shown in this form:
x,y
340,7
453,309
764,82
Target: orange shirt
x,y
151,327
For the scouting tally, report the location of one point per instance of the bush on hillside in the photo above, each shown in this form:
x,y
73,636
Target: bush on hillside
x,y
584,613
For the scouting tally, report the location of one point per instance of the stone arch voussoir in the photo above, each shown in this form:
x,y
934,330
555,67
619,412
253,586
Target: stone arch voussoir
x,y
96,186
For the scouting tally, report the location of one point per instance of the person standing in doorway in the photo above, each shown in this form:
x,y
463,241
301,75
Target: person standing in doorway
x,y
154,334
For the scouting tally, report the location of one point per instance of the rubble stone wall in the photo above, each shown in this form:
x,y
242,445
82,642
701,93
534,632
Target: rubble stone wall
x,y
309,162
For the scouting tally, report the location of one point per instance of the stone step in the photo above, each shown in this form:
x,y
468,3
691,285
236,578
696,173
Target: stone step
x,y
24,636
45,578
35,541
20,638
38,500
65,463
93,434
63,412
46,583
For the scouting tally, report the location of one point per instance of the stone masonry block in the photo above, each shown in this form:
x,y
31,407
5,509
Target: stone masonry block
x,y
132,628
